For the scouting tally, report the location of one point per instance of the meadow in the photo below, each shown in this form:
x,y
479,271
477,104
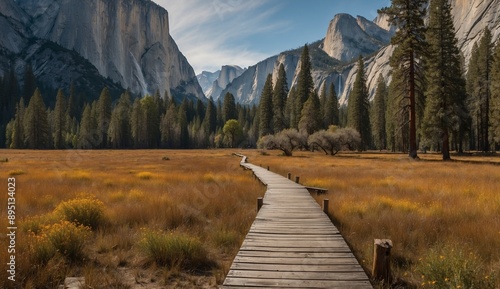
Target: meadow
x,y
176,219
191,208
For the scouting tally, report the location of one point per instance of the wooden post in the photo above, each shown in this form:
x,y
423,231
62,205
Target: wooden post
x,y
268,168
289,176
382,260
260,202
297,178
326,203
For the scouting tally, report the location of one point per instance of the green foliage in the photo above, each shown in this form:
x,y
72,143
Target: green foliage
x,y
305,84
378,115
452,267
87,211
119,128
266,108
59,120
233,131
36,125
280,93
175,250
445,95
409,39
103,117
85,136
310,120
65,238
495,96
359,107
331,107
229,108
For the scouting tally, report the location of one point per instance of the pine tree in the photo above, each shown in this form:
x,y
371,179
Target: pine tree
x,y
18,135
210,120
409,39
103,116
495,96
29,82
331,108
151,121
85,133
36,125
183,125
137,125
305,84
445,86
59,121
266,108
229,108
169,138
378,114
280,93
310,120
119,128
485,60
290,112
358,116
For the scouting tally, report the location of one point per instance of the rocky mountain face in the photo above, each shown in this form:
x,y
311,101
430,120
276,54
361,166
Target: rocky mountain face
x,y
125,42
348,37
227,74
206,80
333,58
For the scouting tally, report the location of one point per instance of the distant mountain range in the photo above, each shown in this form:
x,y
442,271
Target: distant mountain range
x,y
95,43
346,38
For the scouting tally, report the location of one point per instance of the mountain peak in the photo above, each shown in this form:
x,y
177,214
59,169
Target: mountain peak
x,y
348,37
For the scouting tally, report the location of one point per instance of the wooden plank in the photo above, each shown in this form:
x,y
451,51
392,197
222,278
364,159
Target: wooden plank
x,y
292,243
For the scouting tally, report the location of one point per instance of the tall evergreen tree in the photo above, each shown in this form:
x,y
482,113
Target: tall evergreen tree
x,y
210,120
137,124
280,93
409,39
183,125
331,108
445,87
310,120
151,121
495,96
36,125
378,114
358,116
305,84
29,82
290,112
59,121
85,135
229,108
103,116
266,108
119,128
485,60
18,135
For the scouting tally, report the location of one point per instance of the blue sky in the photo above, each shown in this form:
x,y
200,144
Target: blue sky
x,y
212,33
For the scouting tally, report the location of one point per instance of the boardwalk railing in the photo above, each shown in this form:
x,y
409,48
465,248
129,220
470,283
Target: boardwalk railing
x,y
292,243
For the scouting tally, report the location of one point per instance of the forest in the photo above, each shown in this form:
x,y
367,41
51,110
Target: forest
x,y
430,103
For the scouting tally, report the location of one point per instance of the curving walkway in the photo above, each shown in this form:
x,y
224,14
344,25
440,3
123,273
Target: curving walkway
x,y
292,243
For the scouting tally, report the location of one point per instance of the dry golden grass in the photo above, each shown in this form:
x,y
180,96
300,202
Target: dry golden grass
x,y
198,193
420,205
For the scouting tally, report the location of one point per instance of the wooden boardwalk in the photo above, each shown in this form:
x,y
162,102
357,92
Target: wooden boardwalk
x,y
292,243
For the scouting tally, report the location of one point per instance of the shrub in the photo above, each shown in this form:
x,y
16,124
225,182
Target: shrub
x,y
65,238
4,160
16,173
87,211
175,250
449,267
35,224
145,175
226,239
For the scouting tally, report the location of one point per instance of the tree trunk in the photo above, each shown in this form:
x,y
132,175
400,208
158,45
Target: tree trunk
x,y
413,122
446,145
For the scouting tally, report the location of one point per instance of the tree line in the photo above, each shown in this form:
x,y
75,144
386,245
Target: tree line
x,y
430,103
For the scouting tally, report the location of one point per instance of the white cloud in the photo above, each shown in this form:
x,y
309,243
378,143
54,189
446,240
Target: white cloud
x,y
214,33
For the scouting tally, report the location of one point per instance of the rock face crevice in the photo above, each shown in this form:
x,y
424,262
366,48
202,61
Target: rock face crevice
x,y
126,41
